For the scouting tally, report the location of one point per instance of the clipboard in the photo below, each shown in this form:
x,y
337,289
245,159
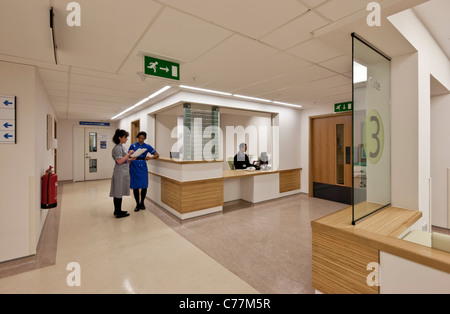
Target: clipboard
x,y
138,153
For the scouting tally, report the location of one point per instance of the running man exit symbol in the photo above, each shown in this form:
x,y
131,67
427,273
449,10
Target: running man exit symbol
x,y
343,107
161,68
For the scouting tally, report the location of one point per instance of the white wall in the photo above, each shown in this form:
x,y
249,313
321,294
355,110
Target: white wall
x,y
411,99
440,158
22,164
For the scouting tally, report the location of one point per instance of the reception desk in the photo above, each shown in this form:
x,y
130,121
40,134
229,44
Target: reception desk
x,y
190,189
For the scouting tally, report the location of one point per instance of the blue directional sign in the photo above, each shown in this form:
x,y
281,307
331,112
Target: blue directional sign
x,y
7,119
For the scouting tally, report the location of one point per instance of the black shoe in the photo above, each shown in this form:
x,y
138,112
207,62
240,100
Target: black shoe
x,y
137,208
141,206
122,214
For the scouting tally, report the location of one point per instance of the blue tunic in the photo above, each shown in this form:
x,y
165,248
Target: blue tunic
x,y
138,167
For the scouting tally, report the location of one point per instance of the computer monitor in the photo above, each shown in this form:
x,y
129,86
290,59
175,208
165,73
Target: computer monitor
x,y
264,159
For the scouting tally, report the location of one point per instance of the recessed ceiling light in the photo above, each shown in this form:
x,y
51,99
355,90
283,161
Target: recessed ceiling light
x,y
205,90
252,98
286,104
162,90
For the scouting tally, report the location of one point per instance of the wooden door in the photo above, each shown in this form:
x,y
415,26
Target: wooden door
x,y
331,154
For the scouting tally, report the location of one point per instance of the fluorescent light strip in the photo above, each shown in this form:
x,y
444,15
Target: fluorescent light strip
x,y
205,90
162,90
286,104
252,98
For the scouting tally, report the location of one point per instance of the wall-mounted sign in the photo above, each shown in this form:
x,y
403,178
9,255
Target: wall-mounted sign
x,y
7,119
343,107
95,123
161,68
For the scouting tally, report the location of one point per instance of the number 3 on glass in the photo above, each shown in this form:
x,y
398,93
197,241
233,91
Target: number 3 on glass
x,y
374,136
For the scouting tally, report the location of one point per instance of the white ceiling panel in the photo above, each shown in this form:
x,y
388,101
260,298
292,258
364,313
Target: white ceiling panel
x,y
290,79
229,58
341,64
25,29
269,68
312,3
291,50
109,29
253,18
336,10
181,36
296,31
315,51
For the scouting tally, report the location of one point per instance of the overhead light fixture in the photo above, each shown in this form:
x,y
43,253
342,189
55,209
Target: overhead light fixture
x,y
286,104
162,90
205,90
252,98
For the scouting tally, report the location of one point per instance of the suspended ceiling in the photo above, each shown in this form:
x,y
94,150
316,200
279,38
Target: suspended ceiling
x,y
294,51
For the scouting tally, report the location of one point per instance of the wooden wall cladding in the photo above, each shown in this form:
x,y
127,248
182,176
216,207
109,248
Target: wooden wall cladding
x,y
186,197
290,180
340,266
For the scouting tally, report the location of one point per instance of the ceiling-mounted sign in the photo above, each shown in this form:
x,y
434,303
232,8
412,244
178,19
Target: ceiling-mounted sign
x,y
161,68
343,107
7,119
95,123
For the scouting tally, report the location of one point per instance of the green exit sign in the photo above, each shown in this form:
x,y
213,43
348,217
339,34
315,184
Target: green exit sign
x,y
161,68
343,107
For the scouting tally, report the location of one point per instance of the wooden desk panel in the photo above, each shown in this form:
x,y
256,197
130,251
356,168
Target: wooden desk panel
x,y
376,233
290,180
187,197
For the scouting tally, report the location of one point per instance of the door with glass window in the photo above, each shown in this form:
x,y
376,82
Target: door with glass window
x,y
331,151
97,153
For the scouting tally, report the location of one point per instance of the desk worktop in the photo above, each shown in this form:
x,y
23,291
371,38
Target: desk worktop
x,y
186,162
230,174
380,231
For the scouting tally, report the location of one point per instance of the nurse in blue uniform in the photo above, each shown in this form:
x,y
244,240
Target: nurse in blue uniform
x,y
139,170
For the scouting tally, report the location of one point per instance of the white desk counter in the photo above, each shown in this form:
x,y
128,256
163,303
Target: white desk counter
x,y
189,189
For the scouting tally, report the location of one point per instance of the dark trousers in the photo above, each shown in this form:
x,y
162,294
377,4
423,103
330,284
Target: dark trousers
x,y
139,201
117,205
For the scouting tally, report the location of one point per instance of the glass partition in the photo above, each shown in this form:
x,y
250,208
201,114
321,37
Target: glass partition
x,y
201,134
371,130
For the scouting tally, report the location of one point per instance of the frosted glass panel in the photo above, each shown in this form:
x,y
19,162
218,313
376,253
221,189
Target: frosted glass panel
x,y
371,130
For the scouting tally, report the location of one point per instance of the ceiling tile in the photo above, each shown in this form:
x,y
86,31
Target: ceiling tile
x,y
290,79
253,18
109,30
231,57
24,25
339,9
269,68
315,51
341,64
296,31
312,3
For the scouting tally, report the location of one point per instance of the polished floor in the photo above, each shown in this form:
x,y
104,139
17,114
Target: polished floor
x,y
263,248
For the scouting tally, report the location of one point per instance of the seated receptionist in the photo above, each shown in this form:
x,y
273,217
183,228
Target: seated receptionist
x,y
241,160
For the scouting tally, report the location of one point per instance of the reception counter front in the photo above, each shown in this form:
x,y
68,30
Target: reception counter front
x,y
190,189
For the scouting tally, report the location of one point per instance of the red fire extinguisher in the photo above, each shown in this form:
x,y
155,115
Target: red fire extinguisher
x,y
49,185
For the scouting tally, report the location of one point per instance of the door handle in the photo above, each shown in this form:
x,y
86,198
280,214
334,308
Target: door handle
x,y
348,159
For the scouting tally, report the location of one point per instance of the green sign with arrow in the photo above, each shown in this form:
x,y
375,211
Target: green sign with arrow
x,y
161,68
343,107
